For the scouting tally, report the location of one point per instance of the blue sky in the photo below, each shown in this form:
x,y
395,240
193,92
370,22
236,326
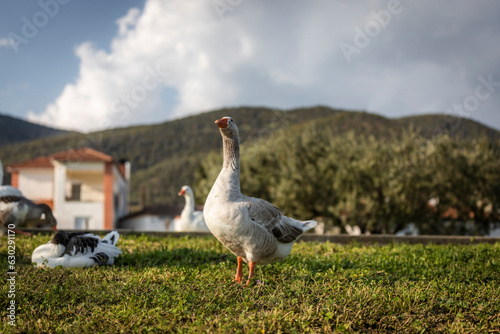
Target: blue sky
x,y
36,74
94,64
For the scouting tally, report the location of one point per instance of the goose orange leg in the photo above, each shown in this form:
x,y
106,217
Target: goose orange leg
x,y
251,265
17,231
239,270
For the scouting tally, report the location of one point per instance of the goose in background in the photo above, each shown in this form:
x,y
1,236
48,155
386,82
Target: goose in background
x,y
189,220
78,249
15,209
410,229
353,230
253,229
21,210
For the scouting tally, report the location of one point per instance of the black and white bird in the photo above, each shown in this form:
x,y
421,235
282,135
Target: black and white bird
x,y
253,229
79,249
16,210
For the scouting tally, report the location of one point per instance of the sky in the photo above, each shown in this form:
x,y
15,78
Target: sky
x,y
98,64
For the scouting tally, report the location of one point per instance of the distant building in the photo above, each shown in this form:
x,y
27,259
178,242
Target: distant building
x,y
85,188
159,218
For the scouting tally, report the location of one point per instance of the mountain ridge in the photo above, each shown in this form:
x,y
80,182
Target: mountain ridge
x,y
15,130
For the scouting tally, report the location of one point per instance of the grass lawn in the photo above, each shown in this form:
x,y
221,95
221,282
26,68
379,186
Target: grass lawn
x,y
168,284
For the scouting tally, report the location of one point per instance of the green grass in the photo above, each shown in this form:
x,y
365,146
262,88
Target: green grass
x,y
185,285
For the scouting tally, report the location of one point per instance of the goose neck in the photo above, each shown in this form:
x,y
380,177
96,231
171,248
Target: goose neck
x,y
189,206
48,214
231,147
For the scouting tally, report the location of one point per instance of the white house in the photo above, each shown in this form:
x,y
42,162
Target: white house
x,y
157,218
152,218
85,188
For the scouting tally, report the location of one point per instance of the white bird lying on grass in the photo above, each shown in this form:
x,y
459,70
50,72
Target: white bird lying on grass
x,y
253,229
78,249
189,220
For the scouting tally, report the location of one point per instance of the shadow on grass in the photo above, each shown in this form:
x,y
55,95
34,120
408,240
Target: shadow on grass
x,y
181,257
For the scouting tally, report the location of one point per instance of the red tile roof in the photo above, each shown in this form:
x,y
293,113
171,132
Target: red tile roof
x,y
85,154
41,162
82,154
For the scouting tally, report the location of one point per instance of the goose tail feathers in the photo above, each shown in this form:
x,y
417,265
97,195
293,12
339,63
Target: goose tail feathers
x,y
309,224
111,238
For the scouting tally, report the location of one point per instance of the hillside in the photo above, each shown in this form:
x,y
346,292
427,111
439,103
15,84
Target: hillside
x,y
14,130
165,156
431,125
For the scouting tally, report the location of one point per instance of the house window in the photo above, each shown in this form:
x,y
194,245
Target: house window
x,y
76,191
82,223
116,203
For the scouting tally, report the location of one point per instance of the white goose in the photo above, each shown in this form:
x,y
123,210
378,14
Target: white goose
x,y
190,220
78,249
15,209
253,229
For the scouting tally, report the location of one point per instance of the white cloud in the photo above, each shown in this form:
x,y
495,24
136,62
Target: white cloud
x,y
6,42
128,21
278,54
183,39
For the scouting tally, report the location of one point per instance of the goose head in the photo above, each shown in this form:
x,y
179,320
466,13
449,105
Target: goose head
x,y
185,191
60,238
49,218
227,126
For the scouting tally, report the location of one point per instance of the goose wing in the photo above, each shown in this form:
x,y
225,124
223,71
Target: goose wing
x,y
270,217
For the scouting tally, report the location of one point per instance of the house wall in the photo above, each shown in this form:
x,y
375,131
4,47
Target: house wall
x,y
147,223
14,179
102,186
36,183
92,185
67,215
109,214
91,175
120,193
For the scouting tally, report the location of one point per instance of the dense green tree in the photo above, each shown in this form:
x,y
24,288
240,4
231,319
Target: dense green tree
x,y
378,184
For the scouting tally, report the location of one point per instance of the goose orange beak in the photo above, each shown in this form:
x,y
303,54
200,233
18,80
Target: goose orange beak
x,y
182,192
221,123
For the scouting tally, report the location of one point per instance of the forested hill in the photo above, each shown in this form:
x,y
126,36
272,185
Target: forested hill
x,y
166,156
14,130
431,125
146,145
